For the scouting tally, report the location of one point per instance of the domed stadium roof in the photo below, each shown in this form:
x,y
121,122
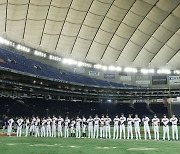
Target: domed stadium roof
x,y
135,33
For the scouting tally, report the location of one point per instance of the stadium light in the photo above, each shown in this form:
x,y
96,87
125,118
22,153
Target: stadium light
x,y
104,68
146,71
111,68
98,66
22,48
163,71
6,42
69,61
118,69
39,53
55,58
130,70
176,71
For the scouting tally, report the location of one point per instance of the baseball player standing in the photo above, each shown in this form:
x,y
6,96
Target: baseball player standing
x,y
145,120
32,127
108,127
10,123
60,122
102,127
72,127
96,126
165,122
129,127
122,126
43,125
37,123
90,127
116,127
78,127
83,127
137,126
48,127
155,124
174,122
27,126
19,126
54,119
66,127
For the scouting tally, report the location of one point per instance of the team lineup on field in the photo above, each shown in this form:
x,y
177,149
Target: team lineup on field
x,y
94,127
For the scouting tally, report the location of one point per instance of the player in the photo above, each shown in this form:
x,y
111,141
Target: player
x,y
43,126
19,126
72,127
37,123
90,127
66,127
129,127
4,123
10,124
60,121
27,126
78,127
165,122
145,120
155,124
48,127
32,127
116,127
174,122
83,127
54,120
96,126
137,121
102,127
108,128
122,126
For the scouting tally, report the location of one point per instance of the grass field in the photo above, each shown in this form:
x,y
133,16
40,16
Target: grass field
x,y
32,145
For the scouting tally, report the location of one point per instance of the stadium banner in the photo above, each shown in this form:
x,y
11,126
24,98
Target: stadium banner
x,y
174,80
143,80
79,70
109,76
93,73
159,80
125,78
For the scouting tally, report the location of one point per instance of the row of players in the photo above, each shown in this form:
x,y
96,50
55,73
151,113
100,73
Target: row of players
x,y
49,126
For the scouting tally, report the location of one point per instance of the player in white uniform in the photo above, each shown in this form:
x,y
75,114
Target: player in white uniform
x,y
102,127
48,127
129,127
174,122
96,126
32,127
66,127
116,127
27,126
137,121
90,127
155,124
37,123
60,121
108,127
10,123
72,127
165,122
122,126
19,126
78,127
54,120
145,120
43,127
83,127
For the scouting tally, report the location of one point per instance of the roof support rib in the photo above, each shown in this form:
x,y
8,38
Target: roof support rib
x,y
5,26
98,29
173,56
45,22
63,24
81,27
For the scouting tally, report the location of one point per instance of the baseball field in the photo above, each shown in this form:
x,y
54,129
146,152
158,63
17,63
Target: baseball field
x,y
32,145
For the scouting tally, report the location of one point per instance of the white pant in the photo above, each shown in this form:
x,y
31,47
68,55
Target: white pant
x,y
9,130
147,130
122,129
116,132
19,130
90,131
137,132
166,131
96,131
32,128
36,131
156,132
129,132
108,131
27,130
53,130
66,131
174,131
102,131
72,130
48,130
78,131
59,131
43,134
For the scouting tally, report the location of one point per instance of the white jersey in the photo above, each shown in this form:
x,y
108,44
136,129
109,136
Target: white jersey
x,y
107,121
10,122
54,121
60,121
37,122
43,122
33,121
90,122
19,122
102,122
155,121
49,120
136,122
27,122
66,122
174,121
83,120
122,120
72,124
145,121
96,121
78,122
165,121
130,121
116,121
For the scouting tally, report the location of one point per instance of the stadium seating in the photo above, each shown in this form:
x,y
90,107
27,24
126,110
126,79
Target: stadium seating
x,y
10,60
